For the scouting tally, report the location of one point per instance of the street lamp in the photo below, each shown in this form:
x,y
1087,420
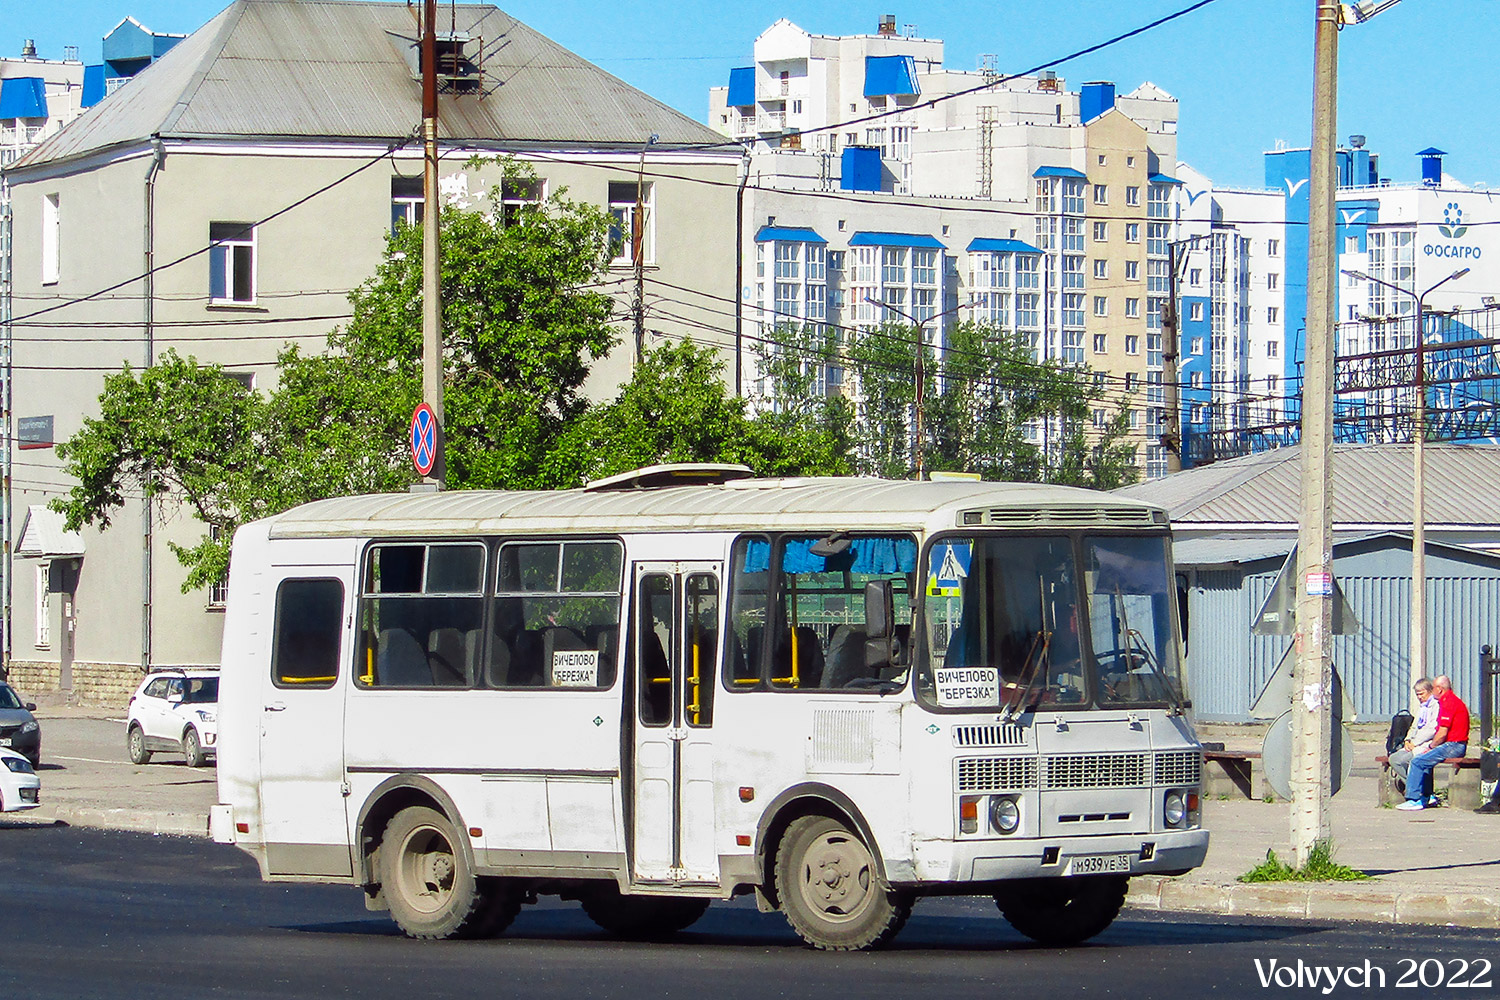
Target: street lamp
x,y
921,457
1418,486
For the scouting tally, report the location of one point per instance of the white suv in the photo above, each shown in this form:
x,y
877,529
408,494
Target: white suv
x,y
174,710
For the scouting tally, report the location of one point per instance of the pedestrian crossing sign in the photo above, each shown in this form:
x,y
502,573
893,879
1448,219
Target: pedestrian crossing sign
x,y
952,561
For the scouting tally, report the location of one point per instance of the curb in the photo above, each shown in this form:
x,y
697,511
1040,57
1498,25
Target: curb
x,y
128,820
1317,901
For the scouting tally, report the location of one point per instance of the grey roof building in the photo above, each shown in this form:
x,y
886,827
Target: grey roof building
x,y
1234,523
288,117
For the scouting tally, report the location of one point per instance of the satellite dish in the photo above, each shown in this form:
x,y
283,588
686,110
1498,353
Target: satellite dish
x,y
1276,757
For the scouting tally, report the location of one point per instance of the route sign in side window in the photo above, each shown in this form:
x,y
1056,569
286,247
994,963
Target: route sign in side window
x,y
305,646
557,615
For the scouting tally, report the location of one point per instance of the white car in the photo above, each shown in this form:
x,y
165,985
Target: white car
x,y
20,788
174,711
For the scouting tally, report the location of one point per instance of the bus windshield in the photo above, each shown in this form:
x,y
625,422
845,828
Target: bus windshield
x,y
1014,624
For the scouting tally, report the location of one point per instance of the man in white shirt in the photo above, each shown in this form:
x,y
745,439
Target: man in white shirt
x,y
1423,728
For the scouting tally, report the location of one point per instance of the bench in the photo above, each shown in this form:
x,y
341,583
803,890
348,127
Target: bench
x,y
1459,775
1234,774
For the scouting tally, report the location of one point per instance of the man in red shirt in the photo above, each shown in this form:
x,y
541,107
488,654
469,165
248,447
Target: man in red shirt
x,y
1450,740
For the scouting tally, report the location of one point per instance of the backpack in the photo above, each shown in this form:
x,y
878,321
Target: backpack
x,y
1400,726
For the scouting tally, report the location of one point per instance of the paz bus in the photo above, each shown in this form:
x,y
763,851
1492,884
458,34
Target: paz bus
x,y
685,684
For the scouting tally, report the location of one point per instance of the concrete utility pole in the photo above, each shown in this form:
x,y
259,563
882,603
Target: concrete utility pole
x,y
432,304
1171,350
1312,688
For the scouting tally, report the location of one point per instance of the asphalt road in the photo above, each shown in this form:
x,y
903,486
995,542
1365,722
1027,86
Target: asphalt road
x,y
117,915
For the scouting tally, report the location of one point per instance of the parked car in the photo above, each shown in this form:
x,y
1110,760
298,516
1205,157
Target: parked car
x,y
20,788
174,711
19,730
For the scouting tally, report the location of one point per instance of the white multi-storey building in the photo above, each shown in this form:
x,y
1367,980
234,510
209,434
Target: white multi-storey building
x,y
930,189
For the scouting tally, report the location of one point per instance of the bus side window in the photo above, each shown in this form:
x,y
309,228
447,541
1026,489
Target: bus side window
x,y
556,616
305,645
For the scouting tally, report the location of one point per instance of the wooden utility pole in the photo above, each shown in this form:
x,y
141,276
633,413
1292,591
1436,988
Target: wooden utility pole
x,y
1312,692
432,304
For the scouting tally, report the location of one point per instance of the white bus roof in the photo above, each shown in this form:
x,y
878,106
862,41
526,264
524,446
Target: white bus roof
x,y
743,504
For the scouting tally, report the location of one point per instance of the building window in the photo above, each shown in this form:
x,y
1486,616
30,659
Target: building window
x,y
1197,345
1132,270
1132,308
1072,310
218,591
1132,379
1132,196
1272,281
516,194
1195,312
1072,196
231,262
1273,348
406,202
1195,276
1273,248
43,605
51,238
624,197
1101,269
1072,272
1272,383
1101,232
1132,232
1132,344
1101,159
1101,305
1159,197
1101,194
1273,314
1101,343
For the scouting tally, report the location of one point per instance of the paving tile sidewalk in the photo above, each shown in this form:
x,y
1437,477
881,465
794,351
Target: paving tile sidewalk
x,y
1439,866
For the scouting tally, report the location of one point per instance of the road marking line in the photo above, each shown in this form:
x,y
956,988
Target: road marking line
x,y
87,760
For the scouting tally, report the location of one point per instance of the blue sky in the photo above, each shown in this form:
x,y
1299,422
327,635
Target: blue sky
x,y
1421,74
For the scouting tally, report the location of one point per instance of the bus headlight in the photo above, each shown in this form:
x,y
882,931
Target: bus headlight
x,y
1174,809
1005,813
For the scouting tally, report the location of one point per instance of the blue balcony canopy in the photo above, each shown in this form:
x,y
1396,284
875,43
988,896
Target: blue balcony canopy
x,y
1163,179
787,234
23,97
983,245
1060,172
895,240
93,85
890,76
741,87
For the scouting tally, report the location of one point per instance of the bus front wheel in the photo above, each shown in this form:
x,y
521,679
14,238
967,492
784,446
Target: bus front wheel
x,y
426,878
830,890
1063,911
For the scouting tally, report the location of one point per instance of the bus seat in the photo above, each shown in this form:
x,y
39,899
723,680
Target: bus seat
x,y
448,657
846,657
401,661
555,639
607,641
497,670
526,660
809,657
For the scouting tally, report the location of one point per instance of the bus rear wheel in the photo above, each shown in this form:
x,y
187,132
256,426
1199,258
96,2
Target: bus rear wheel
x,y
1063,911
426,878
641,917
830,890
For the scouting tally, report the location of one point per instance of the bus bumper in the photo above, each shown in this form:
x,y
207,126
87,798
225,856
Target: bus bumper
x,y
992,860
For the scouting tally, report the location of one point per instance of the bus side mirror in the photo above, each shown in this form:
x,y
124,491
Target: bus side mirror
x,y
882,647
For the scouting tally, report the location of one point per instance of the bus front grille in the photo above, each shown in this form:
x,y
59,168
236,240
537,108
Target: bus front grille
x,y
996,774
1179,767
1119,770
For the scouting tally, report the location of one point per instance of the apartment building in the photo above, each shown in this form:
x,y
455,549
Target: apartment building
x,y
1009,199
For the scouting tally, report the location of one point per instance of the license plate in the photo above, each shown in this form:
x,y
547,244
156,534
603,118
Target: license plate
x,y
1093,864
4,741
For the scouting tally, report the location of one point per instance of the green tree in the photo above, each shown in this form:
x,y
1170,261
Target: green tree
x,y
806,414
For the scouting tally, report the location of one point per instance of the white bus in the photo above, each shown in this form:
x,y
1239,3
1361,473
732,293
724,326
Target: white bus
x,y
684,684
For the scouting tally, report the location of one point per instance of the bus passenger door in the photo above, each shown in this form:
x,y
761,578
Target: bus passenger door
x,y
302,725
675,632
